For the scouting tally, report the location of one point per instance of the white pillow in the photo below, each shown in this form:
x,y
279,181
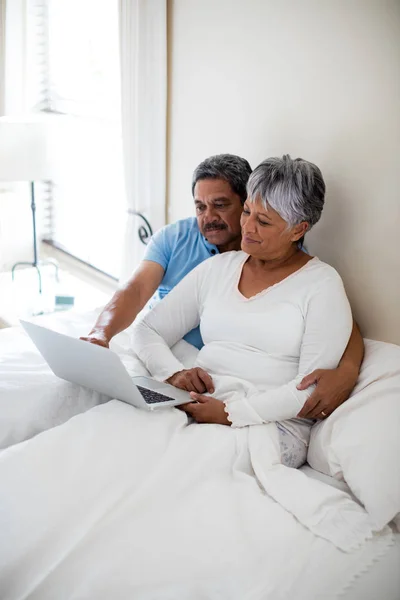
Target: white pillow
x,y
360,441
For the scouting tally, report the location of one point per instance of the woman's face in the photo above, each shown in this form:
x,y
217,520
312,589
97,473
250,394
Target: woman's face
x,y
265,235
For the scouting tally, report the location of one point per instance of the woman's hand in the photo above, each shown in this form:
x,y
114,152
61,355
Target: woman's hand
x,y
192,380
206,410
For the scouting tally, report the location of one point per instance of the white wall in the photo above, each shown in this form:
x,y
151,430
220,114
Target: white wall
x,y
318,79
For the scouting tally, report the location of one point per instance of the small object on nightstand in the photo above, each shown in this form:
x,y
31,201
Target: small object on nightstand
x,y
64,302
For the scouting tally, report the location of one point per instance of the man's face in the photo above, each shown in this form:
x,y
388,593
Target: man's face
x,y
218,212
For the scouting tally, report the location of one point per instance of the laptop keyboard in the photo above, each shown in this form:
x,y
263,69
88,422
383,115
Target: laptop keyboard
x,y
151,397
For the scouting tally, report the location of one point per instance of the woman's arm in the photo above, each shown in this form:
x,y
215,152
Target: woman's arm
x,y
328,324
168,322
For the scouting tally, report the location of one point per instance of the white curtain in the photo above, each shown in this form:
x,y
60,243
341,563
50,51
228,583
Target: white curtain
x,y
2,55
143,58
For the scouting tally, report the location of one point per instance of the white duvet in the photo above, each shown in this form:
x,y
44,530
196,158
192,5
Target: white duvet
x,y
120,503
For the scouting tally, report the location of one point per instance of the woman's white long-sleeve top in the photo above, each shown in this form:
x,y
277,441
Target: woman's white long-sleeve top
x,y
256,349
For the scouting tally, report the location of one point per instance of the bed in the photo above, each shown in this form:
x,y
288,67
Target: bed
x,y
84,514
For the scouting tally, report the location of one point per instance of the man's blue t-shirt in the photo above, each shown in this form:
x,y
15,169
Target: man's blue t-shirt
x,y
179,248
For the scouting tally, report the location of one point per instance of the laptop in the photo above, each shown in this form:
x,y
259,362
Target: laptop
x,y
100,369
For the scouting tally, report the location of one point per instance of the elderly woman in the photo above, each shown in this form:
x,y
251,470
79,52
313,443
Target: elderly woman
x,y
268,314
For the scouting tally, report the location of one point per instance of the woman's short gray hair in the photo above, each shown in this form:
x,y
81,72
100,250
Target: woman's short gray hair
x,y
234,169
294,188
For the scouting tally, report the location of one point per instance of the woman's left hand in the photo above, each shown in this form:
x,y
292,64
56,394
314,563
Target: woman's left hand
x,y
206,409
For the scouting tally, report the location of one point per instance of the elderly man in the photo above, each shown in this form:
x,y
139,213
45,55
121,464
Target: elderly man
x,y
219,192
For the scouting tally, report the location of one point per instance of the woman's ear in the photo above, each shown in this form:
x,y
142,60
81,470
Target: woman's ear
x,y
299,231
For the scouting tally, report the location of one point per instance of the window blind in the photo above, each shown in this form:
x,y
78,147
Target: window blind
x,y
73,71
37,59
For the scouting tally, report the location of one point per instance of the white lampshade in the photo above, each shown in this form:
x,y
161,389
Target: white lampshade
x,y
24,149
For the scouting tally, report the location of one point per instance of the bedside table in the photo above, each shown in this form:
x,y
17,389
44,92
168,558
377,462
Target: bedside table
x,y
20,299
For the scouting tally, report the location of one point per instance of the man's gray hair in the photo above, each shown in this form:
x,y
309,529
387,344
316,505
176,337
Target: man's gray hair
x,y
233,169
294,188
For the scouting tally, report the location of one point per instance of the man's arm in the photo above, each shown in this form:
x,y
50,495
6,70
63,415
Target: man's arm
x,y
354,353
126,303
333,387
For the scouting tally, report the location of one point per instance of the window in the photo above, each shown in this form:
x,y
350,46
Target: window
x,y
73,72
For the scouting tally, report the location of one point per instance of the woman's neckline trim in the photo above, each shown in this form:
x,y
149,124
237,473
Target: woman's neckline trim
x,y
271,287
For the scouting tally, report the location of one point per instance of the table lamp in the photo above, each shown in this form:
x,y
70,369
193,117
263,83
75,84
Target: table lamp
x,y
25,156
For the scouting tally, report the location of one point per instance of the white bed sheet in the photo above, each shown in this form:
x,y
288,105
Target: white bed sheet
x,y
340,485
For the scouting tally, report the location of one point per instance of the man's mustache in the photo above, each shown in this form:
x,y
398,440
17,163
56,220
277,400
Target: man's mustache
x,y
214,226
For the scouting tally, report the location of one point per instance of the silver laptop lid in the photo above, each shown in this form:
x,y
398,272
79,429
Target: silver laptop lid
x,y
86,364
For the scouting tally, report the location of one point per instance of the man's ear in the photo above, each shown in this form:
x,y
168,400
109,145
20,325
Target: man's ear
x,y
299,231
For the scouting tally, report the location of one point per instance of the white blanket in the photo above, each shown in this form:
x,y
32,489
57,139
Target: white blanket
x,y
120,503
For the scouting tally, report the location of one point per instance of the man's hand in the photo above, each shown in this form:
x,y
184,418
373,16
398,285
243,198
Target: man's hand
x,y
206,410
96,338
334,386
192,380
